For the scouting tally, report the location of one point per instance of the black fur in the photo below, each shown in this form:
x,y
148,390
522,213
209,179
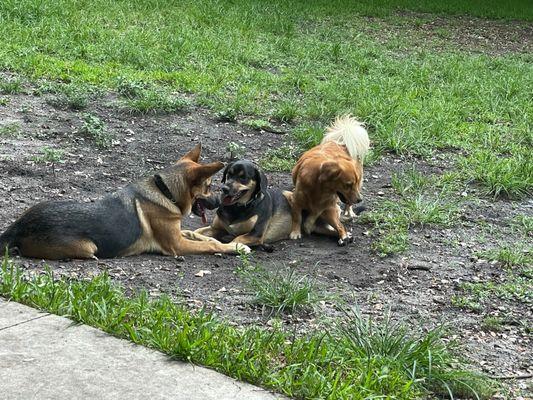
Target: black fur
x,y
263,203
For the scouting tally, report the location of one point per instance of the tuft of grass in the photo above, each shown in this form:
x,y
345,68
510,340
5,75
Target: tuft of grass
x,y
523,223
153,100
357,360
510,256
501,175
282,290
258,124
423,356
492,323
281,159
10,86
235,150
71,96
392,219
10,129
95,128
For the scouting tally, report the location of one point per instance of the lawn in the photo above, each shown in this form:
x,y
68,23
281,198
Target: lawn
x,y
445,91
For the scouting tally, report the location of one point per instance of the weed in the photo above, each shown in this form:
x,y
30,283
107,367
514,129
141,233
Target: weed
x,y
281,159
235,150
492,323
287,111
358,360
10,129
282,290
466,303
153,100
94,127
49,155
510,256
4,101
523,223
257,124
422,356
10,86
226,114
72,96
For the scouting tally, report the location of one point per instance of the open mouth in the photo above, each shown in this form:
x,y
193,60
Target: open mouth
x,y
341,196
204,203
228,200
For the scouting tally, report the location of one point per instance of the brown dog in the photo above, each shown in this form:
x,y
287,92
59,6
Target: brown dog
x,y
143,217
328,172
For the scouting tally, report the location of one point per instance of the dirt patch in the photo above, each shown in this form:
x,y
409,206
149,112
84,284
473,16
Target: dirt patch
x,y
417,286
475,35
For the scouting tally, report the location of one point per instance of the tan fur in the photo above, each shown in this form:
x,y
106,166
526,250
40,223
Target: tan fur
x,y
77,249
324,171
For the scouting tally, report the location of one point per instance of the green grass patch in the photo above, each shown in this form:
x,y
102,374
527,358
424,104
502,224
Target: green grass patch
x,y
523,223
96,129
10,129
49,155
359,359
10,85
422,200
510,256
67,96
297,62
280,291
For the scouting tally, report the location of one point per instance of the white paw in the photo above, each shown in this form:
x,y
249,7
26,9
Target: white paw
x,y
242,248
295,235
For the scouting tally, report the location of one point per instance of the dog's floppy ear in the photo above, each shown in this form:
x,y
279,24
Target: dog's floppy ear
x,y
329,171
225,173
194,154
261,182
204,171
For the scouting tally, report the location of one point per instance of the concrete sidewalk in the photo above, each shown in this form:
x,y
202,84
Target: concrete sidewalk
x,y
43,356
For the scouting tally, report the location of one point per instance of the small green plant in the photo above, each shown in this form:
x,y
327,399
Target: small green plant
x,y
523,223
10,129
154,100
281,159
94,127
492,323
10,86
466,303
510,256
4,101
130,88
235,150
50,156
282,290
71,96
258,124
287,111
227,114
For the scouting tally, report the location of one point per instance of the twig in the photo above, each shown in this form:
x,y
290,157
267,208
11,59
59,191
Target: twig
x,y
523,376
418,267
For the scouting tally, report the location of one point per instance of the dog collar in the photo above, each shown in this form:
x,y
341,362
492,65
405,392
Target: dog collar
x,y
163,188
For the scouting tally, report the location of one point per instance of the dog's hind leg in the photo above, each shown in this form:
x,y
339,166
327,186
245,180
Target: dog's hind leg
x,y
71,249
331,216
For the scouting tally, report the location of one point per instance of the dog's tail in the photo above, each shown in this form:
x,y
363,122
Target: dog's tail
x,y
351,133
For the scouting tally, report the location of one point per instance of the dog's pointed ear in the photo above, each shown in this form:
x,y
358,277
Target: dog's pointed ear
x,y
262,181
194,154
203,171
329,171
225,173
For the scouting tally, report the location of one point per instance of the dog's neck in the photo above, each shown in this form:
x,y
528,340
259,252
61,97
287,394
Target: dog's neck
x,y
163,188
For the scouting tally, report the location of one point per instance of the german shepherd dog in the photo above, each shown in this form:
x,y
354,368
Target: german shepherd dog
x,y
250,213
143,217
328,172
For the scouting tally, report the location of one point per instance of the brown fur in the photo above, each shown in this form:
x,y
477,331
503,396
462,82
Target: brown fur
x,y
319,175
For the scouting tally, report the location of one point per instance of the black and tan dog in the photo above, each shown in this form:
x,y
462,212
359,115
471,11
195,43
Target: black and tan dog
x,y
143,217
250,213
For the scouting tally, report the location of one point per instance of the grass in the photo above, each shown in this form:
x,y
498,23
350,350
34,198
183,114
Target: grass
x,y
10,86
95,128
510,256
282,290
67,96
359,359
299,62
10,129
49,155
423,200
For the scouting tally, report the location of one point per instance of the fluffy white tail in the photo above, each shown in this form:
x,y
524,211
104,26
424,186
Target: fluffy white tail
x,y
348,131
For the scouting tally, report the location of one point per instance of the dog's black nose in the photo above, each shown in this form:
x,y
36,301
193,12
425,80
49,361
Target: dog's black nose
x,y
358,200
225,189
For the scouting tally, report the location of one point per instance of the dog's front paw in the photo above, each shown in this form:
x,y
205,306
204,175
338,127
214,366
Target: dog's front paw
x,y
242,248
346,240
295,235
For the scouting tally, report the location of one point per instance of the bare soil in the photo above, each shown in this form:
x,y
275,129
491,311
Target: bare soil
x,y
417,286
